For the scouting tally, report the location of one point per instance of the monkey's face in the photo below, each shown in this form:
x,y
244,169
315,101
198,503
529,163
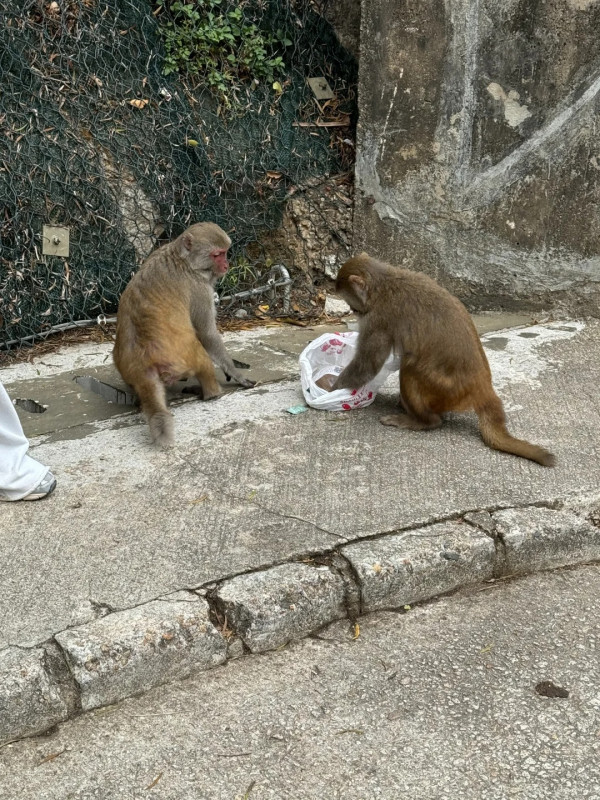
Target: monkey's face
x,y
354,291
220,265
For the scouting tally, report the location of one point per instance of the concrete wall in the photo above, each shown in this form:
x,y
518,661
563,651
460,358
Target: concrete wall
x,y
478,157
344,17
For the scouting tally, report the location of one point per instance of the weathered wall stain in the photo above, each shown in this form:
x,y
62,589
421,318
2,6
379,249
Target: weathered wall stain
x,y
514,112
478,156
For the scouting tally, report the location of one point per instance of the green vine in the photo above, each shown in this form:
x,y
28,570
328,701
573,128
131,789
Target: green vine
x,y
221,45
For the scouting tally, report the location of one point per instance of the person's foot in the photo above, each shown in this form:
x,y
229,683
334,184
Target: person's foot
x,y
43,489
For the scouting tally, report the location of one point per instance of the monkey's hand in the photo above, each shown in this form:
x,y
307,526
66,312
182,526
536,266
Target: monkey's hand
x,y
245,383
372,351
347,382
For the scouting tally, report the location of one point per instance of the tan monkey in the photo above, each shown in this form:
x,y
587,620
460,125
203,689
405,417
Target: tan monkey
x,y
166,325
444,366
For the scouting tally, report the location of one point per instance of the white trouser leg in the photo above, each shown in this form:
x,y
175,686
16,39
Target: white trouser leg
x,y
19,473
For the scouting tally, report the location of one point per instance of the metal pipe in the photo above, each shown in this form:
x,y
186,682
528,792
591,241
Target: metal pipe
x,y
270,286
64,326
285,281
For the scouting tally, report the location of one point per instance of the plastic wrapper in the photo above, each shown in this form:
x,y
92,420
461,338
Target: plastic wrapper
x,y
328,355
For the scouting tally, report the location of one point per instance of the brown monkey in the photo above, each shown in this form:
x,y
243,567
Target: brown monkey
x,y
166,327
444,366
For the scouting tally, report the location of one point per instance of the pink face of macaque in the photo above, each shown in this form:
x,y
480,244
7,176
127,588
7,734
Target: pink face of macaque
x,y
219,257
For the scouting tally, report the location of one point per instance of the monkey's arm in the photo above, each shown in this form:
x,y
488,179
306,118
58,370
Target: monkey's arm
x,y
212,342
203,319
373,349
214,346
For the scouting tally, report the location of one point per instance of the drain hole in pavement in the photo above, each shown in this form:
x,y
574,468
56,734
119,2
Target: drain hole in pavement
x,y
30,405
105,390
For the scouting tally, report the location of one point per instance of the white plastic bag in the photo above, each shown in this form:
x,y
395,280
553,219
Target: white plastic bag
x,y
328,355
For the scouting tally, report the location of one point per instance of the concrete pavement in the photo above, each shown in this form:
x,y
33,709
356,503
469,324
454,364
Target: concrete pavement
x,y
437,703
250,487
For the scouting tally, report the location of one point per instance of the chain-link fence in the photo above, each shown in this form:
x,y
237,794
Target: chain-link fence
x,y
95,138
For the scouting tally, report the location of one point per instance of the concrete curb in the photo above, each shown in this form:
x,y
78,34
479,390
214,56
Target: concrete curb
x,y
128,652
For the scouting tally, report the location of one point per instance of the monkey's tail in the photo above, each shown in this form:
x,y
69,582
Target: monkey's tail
x,y
492,424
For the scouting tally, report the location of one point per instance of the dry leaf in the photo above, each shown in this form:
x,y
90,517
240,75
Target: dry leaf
x,y
549,689
138,103
52,756
356,631
200,499
155,781
344,122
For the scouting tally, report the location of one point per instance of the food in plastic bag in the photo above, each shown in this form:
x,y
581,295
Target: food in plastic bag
x,y
326,382
324,359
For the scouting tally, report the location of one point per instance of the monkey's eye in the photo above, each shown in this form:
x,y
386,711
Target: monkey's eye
x,y
219,257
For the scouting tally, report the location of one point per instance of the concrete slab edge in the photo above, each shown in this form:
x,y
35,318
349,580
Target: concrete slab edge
x,y
124,653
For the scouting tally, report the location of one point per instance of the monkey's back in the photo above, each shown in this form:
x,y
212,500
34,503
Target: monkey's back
x,y
153,320
429,326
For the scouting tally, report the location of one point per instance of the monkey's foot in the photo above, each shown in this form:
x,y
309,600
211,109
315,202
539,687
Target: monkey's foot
x,y
195,390
410,423
161,429
199,392
207,396
245,383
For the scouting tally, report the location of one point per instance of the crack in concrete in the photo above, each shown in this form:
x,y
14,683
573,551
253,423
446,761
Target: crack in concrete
x,y
325,553
56,659
353,599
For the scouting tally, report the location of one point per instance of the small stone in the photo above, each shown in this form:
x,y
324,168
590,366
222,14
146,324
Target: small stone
x,y
272,607
241,313
336,307
450,555
235,648
131,651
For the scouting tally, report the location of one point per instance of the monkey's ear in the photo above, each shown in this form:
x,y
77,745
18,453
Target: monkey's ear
x,y
358,286
187,242
357,282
